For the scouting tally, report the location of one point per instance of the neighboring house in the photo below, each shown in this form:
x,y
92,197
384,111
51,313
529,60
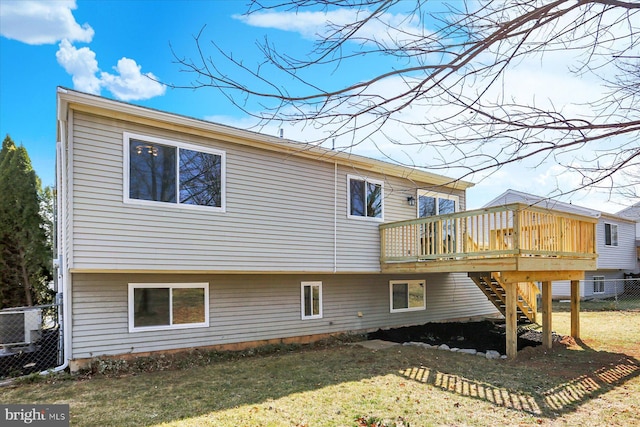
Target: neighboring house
x,y
633,213
615,244
176,233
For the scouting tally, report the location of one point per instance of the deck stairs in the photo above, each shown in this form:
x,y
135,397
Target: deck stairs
x,y
491,285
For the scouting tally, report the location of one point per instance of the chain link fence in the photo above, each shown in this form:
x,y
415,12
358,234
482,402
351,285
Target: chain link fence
x,y
612,294
30,340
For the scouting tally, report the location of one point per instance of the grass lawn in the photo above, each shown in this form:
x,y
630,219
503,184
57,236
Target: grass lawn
x,y
591,383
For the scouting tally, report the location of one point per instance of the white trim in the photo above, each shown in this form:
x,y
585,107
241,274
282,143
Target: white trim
x,y
170,286
127,136
366,181
423,283
311,284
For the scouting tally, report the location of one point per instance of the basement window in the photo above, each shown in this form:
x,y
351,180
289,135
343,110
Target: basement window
x,y
311,300
407,295
158,306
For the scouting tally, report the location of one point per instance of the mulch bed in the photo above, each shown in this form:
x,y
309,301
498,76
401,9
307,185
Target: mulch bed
x,y
482,336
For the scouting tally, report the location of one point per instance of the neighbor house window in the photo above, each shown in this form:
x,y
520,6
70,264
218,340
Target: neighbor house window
x,y
171,172
611,234
311,300
407,295
598,284
365,198
155,306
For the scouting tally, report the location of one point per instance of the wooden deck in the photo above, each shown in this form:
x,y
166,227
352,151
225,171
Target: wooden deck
x,y
514,237
504,250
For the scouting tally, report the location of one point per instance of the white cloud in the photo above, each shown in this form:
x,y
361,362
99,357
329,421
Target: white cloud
x,y
130,84
386,28
42,22
81,64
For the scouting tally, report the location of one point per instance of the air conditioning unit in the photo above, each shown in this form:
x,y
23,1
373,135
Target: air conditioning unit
x,y
20,327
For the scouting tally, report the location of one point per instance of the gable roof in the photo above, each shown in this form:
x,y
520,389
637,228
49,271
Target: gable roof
x,y
632,212
511,196
69,99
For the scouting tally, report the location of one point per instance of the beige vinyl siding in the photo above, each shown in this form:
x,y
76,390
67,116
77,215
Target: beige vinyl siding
x,y
257,307
279,211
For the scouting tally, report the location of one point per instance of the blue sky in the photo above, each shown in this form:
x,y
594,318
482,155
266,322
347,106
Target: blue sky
x,y
108,47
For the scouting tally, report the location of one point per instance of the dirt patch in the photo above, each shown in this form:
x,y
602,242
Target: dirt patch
x,y
482,336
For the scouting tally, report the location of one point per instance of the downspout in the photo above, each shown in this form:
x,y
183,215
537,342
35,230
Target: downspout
x,y
63,279
335,217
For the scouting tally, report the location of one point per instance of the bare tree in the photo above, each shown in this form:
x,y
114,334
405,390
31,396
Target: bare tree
x,y
452,64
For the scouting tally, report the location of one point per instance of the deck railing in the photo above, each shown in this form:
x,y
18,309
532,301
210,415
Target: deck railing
x,y
505,231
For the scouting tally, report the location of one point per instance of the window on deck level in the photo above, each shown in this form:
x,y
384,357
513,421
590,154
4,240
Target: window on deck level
x,y
159,171
365,198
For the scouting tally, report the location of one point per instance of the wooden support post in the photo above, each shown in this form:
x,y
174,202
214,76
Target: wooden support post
x,y
511,319
546,315
575,309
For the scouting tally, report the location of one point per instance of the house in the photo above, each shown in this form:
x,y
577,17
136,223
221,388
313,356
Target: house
x,y
615,245
633,213
176,233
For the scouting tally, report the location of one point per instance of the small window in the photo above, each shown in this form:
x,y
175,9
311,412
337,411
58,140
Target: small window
x,y
365,198
168,306
598,284
170,172
407,295
611,234
311,300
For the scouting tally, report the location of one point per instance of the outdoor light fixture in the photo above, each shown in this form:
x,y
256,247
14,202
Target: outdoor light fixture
x,y
411,201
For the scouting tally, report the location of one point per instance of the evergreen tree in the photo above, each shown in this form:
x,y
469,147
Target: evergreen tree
x,y
25,253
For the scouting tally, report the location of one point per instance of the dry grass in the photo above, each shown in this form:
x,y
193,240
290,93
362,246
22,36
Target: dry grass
x,y
595,382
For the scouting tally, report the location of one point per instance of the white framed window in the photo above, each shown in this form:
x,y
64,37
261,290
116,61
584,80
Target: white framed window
x,y
159,306
610,234
598,284
431,203
169,172
365,198
311,300
407,295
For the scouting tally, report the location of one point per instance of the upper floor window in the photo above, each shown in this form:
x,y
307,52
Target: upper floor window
x,y
171,172
611,234
365,198
431,203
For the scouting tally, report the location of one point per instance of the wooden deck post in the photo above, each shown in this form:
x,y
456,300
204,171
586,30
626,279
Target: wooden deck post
x,y
575,309
511,319
546,315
